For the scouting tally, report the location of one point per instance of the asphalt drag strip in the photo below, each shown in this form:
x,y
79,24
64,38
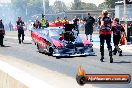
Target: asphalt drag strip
x,y
68,66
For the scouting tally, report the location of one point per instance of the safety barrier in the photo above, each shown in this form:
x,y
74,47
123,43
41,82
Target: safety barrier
x,y
11,77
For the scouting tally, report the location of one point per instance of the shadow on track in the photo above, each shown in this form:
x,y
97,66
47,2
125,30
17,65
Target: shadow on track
x,y
126,55
61,57
120,62
6,46
97,41
27,43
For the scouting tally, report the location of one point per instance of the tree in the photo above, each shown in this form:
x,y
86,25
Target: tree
x,y
19,6
59,6
76,5
84,6
103,6
27,8
35,6
111,3
87,6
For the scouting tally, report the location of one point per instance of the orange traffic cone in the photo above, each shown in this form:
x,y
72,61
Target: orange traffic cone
x,y
123,39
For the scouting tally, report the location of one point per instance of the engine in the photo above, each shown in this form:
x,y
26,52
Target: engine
x,y
69,34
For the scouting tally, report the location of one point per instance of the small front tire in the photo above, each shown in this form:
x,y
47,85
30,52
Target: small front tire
x,y
40,50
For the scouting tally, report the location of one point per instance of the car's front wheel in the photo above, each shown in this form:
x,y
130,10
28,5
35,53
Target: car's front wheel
x,y
51,51
40,50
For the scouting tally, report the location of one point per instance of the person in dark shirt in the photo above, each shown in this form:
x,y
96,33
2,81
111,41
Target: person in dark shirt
x,y
20,29
105,34
117,31
76,23
10,26
89,26
47,23
2,33
99,20
37,23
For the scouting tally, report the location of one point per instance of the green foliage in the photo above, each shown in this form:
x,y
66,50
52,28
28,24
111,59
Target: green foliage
x,y
103,6
35,6
88,6
59,6
19,7
111,3
83,6
76,5
27,8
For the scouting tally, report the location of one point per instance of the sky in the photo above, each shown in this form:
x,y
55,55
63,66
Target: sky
x,y
5,1
68,2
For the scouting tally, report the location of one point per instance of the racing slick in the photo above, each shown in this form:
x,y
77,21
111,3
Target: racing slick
x,y
105,34
117,31
20,29
2,33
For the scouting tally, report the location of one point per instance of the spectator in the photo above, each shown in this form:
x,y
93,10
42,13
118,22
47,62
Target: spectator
x,y
20,28
76,23
10,26
65,21
2,33
58,22
37,23
89,26
43,21
117,30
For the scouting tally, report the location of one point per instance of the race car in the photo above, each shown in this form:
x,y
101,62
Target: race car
x,y
62,41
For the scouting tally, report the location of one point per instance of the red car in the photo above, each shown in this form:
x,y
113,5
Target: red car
x,y
50,40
